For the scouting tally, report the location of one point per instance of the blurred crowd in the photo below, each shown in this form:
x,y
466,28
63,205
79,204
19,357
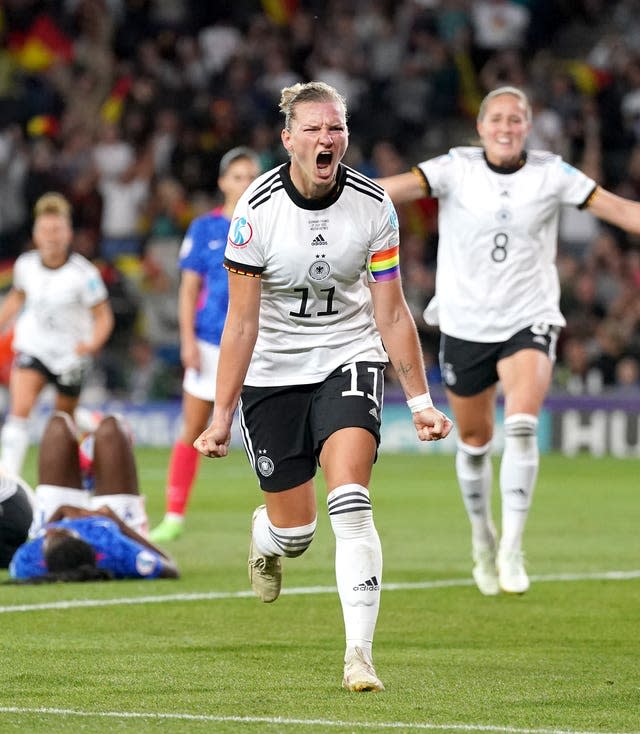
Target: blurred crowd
x,y
126,107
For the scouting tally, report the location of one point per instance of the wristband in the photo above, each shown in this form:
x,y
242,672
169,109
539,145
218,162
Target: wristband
x,y
420,402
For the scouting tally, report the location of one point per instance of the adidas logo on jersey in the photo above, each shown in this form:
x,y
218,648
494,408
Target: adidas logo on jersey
x,y
368,585
319,240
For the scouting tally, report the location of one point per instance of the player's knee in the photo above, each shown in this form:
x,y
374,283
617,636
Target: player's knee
x,y
60,429
113,431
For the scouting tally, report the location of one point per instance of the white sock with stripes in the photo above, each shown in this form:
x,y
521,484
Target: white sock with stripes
x,y
475,475
272,541
518,474
358,562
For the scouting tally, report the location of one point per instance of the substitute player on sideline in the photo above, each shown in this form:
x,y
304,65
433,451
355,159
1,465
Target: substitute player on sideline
x,y
497,305
202,307
315,292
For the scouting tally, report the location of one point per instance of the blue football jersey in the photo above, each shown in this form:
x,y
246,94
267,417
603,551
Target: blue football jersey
x,y
115,552
202,251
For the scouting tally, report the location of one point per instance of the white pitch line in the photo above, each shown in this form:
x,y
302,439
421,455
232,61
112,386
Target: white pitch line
x,y
302,590
279,720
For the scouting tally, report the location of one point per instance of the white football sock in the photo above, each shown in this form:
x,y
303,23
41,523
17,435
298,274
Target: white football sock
x,y
518,473
14,439
272,541
475,476
358,562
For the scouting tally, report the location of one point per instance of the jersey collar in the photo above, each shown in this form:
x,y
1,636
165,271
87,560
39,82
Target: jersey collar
x,y
507,169
48,267
299,200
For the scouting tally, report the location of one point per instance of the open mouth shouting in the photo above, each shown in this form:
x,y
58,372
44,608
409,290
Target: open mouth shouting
x,y
324,162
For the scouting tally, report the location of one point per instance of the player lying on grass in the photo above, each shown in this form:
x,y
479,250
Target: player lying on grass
x,y
87,536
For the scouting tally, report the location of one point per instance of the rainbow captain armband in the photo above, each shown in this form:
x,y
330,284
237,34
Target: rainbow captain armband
x,y
385,265
420,402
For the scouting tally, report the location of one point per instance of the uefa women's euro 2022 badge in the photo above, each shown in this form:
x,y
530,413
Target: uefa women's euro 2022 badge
x,y
240,233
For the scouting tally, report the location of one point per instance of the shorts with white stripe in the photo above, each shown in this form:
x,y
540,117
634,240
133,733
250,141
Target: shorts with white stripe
x,y
284,428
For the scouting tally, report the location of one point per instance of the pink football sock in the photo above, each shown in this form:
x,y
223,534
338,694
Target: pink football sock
x,y
182,471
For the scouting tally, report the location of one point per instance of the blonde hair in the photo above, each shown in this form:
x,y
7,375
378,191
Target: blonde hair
x,y
52,203
290,97
514,91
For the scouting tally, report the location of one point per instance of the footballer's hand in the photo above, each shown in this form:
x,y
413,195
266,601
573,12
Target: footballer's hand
x,y
213,442
431,424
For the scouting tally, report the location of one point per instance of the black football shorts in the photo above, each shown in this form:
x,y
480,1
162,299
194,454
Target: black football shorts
x,y
468,367
284,428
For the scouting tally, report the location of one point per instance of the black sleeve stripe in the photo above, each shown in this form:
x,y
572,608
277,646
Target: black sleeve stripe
x,y
263,196
378,196
266,184
363,180
242,269
589,198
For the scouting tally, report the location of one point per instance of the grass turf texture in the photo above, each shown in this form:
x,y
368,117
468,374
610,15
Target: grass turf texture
x,y
565,657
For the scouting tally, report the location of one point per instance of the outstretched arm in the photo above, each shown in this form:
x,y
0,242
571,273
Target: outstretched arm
x,y
616,210
405,187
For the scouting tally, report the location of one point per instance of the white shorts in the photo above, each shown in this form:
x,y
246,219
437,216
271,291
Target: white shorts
x,y
130,508
202,383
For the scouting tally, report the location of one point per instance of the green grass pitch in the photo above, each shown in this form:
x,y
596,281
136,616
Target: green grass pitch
x,y
201,654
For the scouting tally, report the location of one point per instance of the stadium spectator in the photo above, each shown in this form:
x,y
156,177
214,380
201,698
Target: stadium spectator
x,y
202,309
302,349
88,537
14,169
63,320
496,305
124,199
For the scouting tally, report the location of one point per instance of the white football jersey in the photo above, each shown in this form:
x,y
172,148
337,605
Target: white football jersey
x,y
56,314
496,271
315,258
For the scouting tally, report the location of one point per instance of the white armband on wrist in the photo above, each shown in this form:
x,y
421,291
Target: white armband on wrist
x,y
420,402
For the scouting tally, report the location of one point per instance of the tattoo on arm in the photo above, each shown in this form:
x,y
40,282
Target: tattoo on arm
x,y
404,369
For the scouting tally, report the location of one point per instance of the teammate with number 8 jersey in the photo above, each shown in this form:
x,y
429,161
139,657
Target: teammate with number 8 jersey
x,y
497,306
498,229
315,306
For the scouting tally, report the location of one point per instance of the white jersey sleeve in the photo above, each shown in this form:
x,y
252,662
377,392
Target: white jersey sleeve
x,y
498,231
